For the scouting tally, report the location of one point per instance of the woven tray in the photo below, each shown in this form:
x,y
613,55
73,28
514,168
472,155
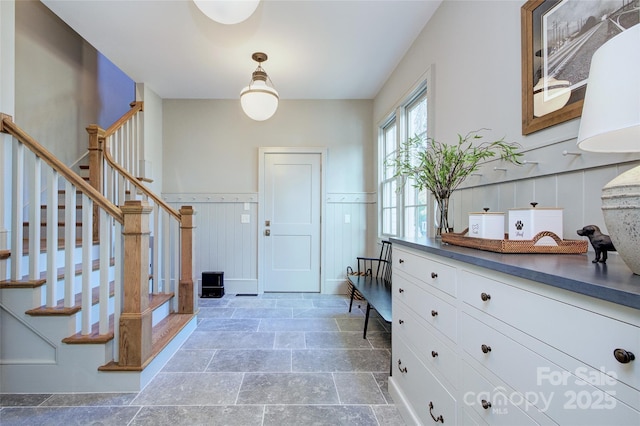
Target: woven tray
x,y
517,246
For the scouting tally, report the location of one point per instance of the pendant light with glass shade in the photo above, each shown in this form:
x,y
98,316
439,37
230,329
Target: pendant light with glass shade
x,y
227,12
259,100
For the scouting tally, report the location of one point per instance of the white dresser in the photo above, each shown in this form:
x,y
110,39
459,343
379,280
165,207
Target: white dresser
x,y
506,343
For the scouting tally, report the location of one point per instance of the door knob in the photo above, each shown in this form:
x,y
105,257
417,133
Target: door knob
x,y
267,232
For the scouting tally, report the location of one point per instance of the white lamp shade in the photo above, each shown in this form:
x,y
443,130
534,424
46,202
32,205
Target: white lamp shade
x,y
259,101
611,112
227,11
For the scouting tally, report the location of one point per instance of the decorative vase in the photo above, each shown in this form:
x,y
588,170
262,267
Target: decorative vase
x,y
442,223
621,211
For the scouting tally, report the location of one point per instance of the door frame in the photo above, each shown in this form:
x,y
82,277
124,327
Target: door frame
x,y
262,152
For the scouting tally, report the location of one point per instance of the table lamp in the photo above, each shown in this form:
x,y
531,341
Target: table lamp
x,y
611,123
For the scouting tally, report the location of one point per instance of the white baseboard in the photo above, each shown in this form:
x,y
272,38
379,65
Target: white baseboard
x,y
335,287
240,286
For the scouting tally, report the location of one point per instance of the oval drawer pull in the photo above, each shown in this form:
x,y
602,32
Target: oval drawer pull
x,y
435,419
402,369
434,354
400,260
434,275
401,290
434,313
401,321
486,404
486,349
623,357
485,296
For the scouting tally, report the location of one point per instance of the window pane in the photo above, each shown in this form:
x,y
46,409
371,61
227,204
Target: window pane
x,y
416,221
409,207
410,193
389,140
389,169
415,211
389,222
417,118
386,197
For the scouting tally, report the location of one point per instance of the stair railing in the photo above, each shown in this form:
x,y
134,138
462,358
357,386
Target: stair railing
x,y
123,241
45,168
113,161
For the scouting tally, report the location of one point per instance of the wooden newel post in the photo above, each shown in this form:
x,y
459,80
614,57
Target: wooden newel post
x,y
186,302
96,135
135,320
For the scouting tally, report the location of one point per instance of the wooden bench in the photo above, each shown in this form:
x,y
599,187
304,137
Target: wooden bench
x,y
372,280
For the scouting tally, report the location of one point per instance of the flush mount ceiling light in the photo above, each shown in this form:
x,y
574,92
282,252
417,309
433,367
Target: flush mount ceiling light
x,y
227,11
259,100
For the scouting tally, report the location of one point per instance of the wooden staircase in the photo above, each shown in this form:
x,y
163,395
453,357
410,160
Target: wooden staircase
x,y
117,321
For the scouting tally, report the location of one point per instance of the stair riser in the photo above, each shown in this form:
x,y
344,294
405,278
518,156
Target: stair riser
x,y
61,230
20,300
95,315
161,312
61,212
55,328
77,284
60,258
62,201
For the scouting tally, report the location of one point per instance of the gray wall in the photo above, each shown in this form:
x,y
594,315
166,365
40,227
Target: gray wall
x,y
58,92
211,162
473,50
207,150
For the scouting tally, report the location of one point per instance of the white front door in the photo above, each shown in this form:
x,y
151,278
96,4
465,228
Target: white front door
x,y
291,227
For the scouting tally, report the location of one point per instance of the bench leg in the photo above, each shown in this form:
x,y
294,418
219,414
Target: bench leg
x,y
353,290
366,321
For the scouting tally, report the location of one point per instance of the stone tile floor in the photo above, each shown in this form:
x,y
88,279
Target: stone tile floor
x,y
273,359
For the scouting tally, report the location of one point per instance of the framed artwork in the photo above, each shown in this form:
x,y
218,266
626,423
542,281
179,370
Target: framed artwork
x,y
559,38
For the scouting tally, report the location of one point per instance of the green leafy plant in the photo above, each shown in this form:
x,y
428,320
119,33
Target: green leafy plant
x,y
441,168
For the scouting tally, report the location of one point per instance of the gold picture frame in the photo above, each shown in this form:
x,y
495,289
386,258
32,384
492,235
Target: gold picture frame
x,y
531,46
559,38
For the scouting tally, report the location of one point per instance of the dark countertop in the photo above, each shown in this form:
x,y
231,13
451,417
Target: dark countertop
x,y
613,281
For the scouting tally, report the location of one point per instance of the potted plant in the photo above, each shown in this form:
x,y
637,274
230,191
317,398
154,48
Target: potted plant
x,y
441,168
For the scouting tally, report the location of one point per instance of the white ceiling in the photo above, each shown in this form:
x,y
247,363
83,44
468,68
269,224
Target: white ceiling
x,y
318,49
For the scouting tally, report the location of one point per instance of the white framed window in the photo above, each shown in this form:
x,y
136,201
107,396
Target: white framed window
x,y
402,213
388,185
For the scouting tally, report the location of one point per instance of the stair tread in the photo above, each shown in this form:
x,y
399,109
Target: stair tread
x,y
5,254
155,300
94,337
162,334
22,283
26,282
60,309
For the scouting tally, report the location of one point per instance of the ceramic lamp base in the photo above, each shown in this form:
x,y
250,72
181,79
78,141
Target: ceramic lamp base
x,y
621,211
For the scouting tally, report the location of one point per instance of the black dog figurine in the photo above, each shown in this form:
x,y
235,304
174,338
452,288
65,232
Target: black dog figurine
x,y
601,243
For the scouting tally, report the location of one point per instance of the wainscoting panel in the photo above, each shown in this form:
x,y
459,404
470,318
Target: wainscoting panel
x,y
346,236
224,243
577,191
225,237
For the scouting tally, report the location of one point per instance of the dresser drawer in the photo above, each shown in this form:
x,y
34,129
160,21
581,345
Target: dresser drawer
x,y
493,403
428,397
587,336
540,384
431,350
435,274
433,310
